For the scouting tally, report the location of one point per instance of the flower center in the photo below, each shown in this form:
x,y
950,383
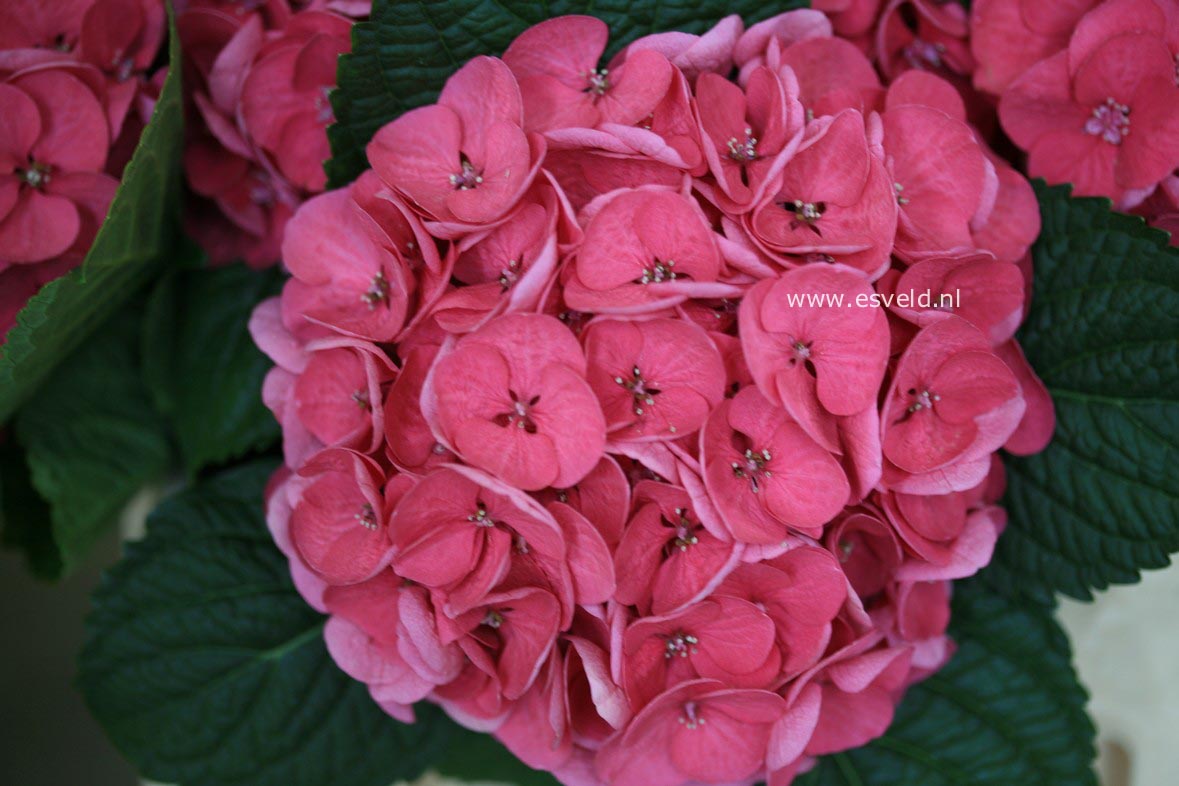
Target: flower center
x,y
805,213
367,517
377,292
467,178
493,619
510,275
480,518
846,547
597,82
753,468
658,273
923,54
743,151
1110,121
922,399
691,717
520,414
684,532
681,644
899,189
643,395
37,175
361,399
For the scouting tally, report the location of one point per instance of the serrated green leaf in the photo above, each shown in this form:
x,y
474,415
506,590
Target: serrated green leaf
x,y
133,242
207,668
93,438
1102,502
202,367
404,53
1007,709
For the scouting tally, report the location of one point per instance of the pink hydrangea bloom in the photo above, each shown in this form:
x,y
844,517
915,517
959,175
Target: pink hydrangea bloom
x,y
259,77
76,92
675,398
1103,113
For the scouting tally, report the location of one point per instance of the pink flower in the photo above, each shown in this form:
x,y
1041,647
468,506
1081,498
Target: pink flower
x,y
675,401
985,292
936,40
643,250
1103,114
655,380
507,269
667,559
284,97
460,534
465,159
54,139
699,732
556,62
511,398
764,474
694,55
339,523
1009,36
802,591
750,133
722,638
348,275
816,361
835,198
938,201
951,404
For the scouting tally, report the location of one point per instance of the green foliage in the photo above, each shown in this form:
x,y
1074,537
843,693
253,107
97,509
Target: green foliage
x,y
403,55
1102,502
207,668
93,439
24,516
202,367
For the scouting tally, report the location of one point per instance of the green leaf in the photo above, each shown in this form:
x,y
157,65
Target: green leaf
x,y
93,437
24,516
132,243
475,757
202,367
402,56
207,668
1007,709
1102,502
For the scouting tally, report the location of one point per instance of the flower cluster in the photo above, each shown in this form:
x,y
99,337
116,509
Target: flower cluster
x,y
641,416
258,75
76,91
1090,89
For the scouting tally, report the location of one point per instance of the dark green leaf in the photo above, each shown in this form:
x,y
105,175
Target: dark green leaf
x,y
1102,502
93,437
207,668
24,516
203,369
402,56
133,242
1007,709
480,757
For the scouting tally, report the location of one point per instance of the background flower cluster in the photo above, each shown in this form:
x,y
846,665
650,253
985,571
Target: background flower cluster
x,y
77,87
258,76
573,448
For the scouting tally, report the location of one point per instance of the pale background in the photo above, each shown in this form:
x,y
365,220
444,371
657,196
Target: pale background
x,y
1126,644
